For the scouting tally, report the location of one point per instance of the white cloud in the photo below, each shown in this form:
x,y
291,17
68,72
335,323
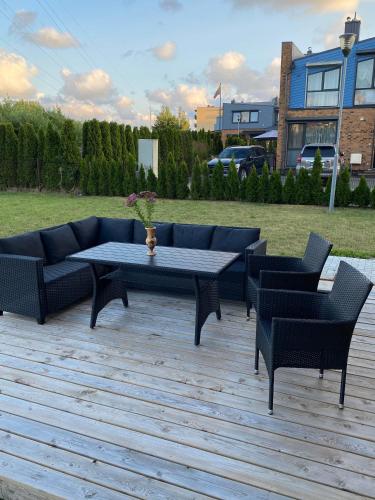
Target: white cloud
x,y
164,52
79,110
124,107
51,38
95,85
184,96
316,6
21,20
170,5
329,37
16,75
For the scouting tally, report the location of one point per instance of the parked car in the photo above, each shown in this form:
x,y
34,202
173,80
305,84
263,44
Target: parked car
x,y
306,158
244,157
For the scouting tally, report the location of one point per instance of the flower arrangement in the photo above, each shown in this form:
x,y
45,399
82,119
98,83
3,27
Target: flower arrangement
x,y
146,211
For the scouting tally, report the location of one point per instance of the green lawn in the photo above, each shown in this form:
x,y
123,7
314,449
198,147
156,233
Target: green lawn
x,y
286,227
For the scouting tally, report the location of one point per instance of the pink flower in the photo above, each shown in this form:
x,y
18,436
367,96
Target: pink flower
x,y
131,200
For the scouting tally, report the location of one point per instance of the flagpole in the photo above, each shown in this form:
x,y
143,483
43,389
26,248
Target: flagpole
x,y
221,113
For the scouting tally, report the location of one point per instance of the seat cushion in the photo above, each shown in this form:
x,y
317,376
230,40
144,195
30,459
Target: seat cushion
x,y
120,230
228,239
163,233
235,271
192,236
29,244
59,242
62,269
86,231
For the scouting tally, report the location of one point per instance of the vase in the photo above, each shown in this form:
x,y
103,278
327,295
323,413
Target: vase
x,y
151,240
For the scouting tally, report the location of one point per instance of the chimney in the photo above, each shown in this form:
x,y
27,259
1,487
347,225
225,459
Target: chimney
x,y
353,26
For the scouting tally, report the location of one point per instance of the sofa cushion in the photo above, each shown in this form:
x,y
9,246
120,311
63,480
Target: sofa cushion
x,y
29,244
228,239
235,271
192,236
120,230
86,231
55,272
163,233
59,242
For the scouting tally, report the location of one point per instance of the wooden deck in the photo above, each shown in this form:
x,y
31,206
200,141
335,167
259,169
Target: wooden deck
x,y
133,409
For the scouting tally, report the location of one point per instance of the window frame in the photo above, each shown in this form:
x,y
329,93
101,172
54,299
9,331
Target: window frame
x,y
372,58
254,111
322,89
249,111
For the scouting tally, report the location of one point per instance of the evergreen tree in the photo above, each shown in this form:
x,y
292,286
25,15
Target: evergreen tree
x,y
232,184
106,140
275,194
84,175
3,174
85,128
93,176
182,188
217,144
162,189
8,156
171,177
70,156
94,148
344,193
124,146
27,156
41,151
303,187
289,190
372,201
316,186
104,176
361,194
152,182
206,181
135,140
218,182
243,185
196,180
142,184
130,177
115,141
129,141
318,160
327,192
117,178
252,185
51,177
264,184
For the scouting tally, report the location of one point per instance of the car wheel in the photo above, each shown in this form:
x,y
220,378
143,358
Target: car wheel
x,y
242,174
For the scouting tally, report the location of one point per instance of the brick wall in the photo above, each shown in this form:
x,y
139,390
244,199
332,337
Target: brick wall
x,y
285,69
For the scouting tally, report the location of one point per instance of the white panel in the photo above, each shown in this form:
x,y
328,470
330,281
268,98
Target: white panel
x,y
148,154
355,158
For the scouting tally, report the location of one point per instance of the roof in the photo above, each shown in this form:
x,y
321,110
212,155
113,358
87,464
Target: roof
x,y
271,134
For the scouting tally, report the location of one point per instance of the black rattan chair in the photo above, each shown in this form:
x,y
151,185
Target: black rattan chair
x,y
288,273
310,330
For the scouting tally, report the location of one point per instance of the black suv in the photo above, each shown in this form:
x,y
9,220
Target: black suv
x,y
244,157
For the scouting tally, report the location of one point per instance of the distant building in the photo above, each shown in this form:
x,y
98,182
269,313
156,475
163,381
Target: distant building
x,y
205,117
247,118
309,101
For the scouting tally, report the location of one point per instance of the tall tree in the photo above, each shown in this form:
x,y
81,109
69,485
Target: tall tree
x,y
106,140
141,183
196,180
303,187
130,178
264,184
344,193
206,181
171,177
27,156
182,187
361,194
130,141
115,141
232,186
94,147
41,151
276,188
252,186
85,128
70,156
135,140
8,156
52,160
218,182
124,146
289,190
152,181
166,120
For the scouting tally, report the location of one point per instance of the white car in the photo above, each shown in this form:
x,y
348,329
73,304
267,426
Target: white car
x,y
306,158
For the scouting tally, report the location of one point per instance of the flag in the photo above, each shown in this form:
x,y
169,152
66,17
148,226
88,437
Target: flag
x,y
218,91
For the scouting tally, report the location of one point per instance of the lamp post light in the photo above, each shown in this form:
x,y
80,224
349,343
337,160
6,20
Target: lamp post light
x,y
238,125
346,44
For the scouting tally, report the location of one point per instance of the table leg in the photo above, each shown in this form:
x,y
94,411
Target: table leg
x,y
207,302
105,289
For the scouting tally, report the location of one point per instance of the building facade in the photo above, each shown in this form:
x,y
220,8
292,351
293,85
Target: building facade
x,y
205,117
309,102
247,119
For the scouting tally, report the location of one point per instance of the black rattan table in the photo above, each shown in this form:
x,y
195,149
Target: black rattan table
x,y
204,266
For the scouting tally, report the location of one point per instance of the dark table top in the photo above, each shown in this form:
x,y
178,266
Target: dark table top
x,y
207,263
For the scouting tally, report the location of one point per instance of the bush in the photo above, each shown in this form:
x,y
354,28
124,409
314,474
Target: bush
x,y
252,185
141,183
106,140
70,156
162,181
51,176
344,193
303,187
171,177
117,178
115,141
316,186
206,182
182,188
93,177
130,176
264,184
196,184
218,182
372,201
152,181
104,176
327,192
232,185
8,156
361,194
276,188
84,175
289,190
27,156
242,190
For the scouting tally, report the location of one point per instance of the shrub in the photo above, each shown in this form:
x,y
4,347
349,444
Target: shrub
x,y
218,182
344,193
152,181
27,156
182,188
318,160
130,147
8,156
171,177
130,176
104,176
276,188
242,190
94,148
264,184
372,201
289,190
196,183
93,177
303,187
115,141
117,178
361,194
232,184
327,192
316,186
252,185
141,183
70,156
162,181
106,140
84,175
51,175
206,181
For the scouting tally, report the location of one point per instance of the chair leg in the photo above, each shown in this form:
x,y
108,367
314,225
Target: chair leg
x,y
1,313
248,308
41,320
256,364
342,389
270,396
321,373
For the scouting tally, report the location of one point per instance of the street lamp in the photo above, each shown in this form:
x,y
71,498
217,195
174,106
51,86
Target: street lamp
x,y
346,44
238,125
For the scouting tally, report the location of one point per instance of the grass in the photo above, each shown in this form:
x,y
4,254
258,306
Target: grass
x,y
285,227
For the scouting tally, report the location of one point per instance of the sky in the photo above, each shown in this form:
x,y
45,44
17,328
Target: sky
x,y
123,59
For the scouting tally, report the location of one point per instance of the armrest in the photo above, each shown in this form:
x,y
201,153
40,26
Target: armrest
x,y
257,248
289,304
289,280
311,334
257,263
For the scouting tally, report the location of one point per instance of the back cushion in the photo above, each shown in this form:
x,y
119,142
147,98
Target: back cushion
x,y
116,230
228,239
59,242
163,233
192,236
86,231
29,244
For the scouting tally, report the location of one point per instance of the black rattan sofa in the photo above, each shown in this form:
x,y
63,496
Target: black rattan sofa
x,y
36,280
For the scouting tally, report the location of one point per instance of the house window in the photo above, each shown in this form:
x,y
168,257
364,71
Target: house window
x,y
245,116
323,88
365,83
254,116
